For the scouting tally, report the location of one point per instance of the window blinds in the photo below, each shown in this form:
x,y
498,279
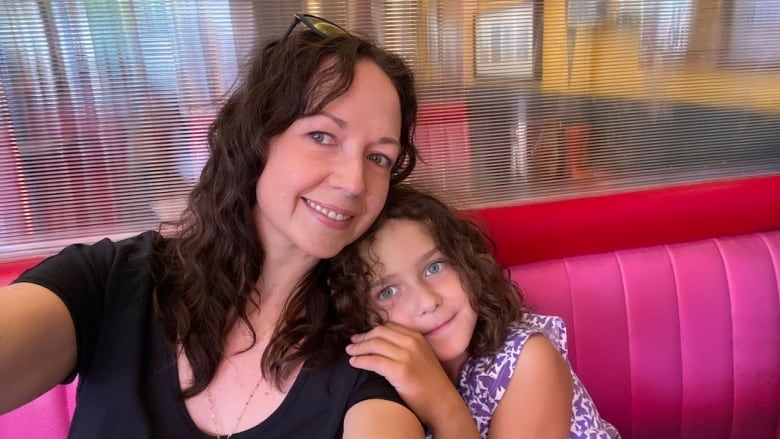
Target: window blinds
x,y
104,104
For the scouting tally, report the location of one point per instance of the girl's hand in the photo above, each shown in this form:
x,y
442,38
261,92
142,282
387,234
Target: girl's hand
x,y
407,361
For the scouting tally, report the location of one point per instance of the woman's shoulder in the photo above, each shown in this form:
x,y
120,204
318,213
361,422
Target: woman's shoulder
x,y
134,245
89,277
97,258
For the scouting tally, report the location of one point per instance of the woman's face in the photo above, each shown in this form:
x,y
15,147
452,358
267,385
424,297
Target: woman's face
x,y
326,177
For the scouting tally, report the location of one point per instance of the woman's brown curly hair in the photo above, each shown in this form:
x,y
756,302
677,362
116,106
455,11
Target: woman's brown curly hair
x,y
495,298
208,271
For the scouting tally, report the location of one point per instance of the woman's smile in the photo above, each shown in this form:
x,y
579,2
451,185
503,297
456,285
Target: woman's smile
x,y
331,217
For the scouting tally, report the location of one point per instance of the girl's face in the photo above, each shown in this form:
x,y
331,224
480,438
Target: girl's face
x,y
326,177
416,287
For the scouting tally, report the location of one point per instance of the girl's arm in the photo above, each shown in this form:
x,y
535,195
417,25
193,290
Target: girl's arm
x,y
379,418
407,361
37,343
538,401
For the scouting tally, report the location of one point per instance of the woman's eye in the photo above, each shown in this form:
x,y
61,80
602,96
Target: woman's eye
x,y
434,268
387,293
321,138
381,160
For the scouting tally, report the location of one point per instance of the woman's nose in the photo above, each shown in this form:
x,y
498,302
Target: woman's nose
x,y
348,174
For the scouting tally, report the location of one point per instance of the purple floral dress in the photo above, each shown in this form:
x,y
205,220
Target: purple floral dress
x,y
483,380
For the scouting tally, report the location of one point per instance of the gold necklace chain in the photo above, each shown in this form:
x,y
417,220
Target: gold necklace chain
x,y
246,332
240,415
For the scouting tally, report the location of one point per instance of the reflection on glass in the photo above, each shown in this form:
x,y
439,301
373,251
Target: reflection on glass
x,y
504,42
754,25
665,28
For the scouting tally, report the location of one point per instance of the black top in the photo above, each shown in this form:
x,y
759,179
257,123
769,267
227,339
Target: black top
x,y
128,379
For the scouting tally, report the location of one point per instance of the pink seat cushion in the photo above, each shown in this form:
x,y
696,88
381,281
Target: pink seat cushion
x,y
678,341
47,417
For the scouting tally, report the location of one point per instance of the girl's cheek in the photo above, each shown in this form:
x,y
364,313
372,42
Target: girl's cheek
x,y
400,316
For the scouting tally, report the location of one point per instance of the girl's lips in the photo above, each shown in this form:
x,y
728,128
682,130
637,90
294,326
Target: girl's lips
x,y
439,327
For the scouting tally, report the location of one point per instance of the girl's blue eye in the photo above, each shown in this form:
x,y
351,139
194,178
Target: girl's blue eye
x,y
387,293
381,160
434,268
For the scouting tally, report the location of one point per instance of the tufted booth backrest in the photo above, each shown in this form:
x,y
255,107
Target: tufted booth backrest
x,y
673,341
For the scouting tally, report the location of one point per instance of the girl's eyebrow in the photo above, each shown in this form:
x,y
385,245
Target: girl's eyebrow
x,y
427,255
384,280
380,282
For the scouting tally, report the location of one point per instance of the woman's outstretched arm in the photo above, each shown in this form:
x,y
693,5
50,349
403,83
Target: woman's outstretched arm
x,y
37,343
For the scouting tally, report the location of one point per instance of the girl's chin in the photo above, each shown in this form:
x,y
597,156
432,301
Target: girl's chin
x,y
452,357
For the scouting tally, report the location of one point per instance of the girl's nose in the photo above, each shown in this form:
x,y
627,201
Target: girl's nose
x,y
428,300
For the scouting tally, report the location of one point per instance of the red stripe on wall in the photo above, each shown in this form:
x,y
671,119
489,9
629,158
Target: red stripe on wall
x,y
534,232
9,271
540,231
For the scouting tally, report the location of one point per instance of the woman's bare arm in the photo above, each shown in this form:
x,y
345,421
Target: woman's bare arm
x,y
37,343
538,401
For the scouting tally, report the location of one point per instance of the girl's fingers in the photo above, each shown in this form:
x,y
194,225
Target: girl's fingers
x,y
374,363
392,332
378,346
395,364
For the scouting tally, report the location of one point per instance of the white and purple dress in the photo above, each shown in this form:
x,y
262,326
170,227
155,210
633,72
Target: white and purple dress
x,y
483,380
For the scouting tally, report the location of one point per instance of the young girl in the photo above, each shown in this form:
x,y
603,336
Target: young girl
x,y
444,312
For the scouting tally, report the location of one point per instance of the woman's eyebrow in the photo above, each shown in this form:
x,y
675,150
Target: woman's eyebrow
x,y
389,140
343,124
338,121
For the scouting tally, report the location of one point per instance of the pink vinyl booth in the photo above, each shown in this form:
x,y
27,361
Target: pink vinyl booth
x,y
672,301
671,298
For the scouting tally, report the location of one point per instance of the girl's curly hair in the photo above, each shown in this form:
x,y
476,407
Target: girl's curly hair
x,y
468,249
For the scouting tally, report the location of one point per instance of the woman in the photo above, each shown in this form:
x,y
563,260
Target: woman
x,y
224,329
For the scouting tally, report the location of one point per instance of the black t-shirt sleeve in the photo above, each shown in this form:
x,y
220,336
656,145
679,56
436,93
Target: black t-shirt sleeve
x,y
374,386
79,275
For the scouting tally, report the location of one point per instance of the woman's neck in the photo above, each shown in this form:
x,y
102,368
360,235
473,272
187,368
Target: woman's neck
x,y
281,274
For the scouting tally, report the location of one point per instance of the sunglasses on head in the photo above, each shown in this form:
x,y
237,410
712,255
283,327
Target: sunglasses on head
x,y
318,25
